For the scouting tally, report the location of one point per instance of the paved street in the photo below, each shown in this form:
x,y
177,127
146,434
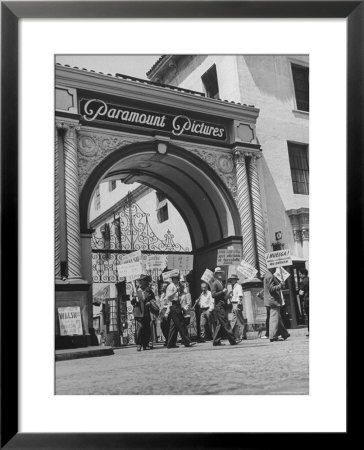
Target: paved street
x,y
255,366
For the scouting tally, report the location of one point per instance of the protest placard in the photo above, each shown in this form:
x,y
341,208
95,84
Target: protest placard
x,y
278,258
170,274
131,266
131,271
156,262
247,270
70,320
228,256
180,262
132,257
281,273
208,276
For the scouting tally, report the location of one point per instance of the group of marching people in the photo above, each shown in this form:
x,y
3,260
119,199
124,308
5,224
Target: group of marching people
x,y
173,307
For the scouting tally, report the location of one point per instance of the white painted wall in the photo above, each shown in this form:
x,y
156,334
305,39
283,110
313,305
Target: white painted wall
x,y
148,203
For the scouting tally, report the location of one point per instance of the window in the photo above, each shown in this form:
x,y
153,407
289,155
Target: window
x,y
298,160
112,185
162,214
210,83
162,207
300,81
97,198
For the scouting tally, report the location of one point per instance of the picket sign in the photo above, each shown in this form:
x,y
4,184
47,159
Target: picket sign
x,y
170,274
279,258
208,276
131,266
228,256
282,274
156,262
247,270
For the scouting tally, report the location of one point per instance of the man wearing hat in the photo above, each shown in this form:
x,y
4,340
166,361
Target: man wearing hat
x,y
141,303
236,297
177,323
220,295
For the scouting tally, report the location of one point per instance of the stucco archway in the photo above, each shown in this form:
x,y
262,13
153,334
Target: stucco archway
x,y
197,192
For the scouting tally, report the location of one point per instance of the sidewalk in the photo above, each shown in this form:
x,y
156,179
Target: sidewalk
x,y
84,352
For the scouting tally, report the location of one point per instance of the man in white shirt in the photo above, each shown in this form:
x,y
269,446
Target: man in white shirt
x,y
164,311
177,323
206,304
236,298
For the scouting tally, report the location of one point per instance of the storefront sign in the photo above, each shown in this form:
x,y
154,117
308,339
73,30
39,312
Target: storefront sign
x,y
208,276
96,110
180,262
278,258
226,257
247,270
70,320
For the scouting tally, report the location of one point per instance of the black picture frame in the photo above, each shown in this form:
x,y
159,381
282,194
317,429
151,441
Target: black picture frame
x,y
11,12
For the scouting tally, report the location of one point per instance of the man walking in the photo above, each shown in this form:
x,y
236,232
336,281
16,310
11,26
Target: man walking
x,y
206,304
177,323
220,295
273,299
164,312
236,298
141,303
305,293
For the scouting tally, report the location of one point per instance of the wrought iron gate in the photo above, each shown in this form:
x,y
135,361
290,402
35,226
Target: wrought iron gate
x,y
127,231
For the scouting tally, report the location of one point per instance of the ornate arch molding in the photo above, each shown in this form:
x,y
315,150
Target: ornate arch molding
x,y
106,155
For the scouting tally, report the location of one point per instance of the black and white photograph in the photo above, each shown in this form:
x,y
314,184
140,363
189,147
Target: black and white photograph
x,y
181,224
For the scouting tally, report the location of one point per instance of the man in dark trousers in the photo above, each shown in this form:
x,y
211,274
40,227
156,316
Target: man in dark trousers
x,y
273,299
304,292
176,318
220,295
141,302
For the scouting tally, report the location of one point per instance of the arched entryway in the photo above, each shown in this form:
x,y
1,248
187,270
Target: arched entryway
x,y
196,191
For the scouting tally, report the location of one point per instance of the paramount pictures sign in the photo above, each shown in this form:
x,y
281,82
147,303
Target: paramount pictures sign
x,y
96,110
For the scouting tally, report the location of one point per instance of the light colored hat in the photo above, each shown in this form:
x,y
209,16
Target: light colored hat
x,y
233,277
218,269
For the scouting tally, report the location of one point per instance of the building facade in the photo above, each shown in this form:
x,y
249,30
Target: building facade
x,y
203,153
279,86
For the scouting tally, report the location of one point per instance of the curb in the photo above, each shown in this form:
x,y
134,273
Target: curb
x,y
104,351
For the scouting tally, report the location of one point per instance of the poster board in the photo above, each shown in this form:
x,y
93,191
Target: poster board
x,y
281,274
167,275
156,262
70,322
208,276
131,266
247,270
180,262
279,258
228,256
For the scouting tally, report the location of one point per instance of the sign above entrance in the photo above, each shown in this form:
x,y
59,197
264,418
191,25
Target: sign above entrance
x,y
95,110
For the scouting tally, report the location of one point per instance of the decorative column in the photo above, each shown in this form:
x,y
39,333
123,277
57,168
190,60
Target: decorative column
x,y
257,214
245,209
72,205
57,228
